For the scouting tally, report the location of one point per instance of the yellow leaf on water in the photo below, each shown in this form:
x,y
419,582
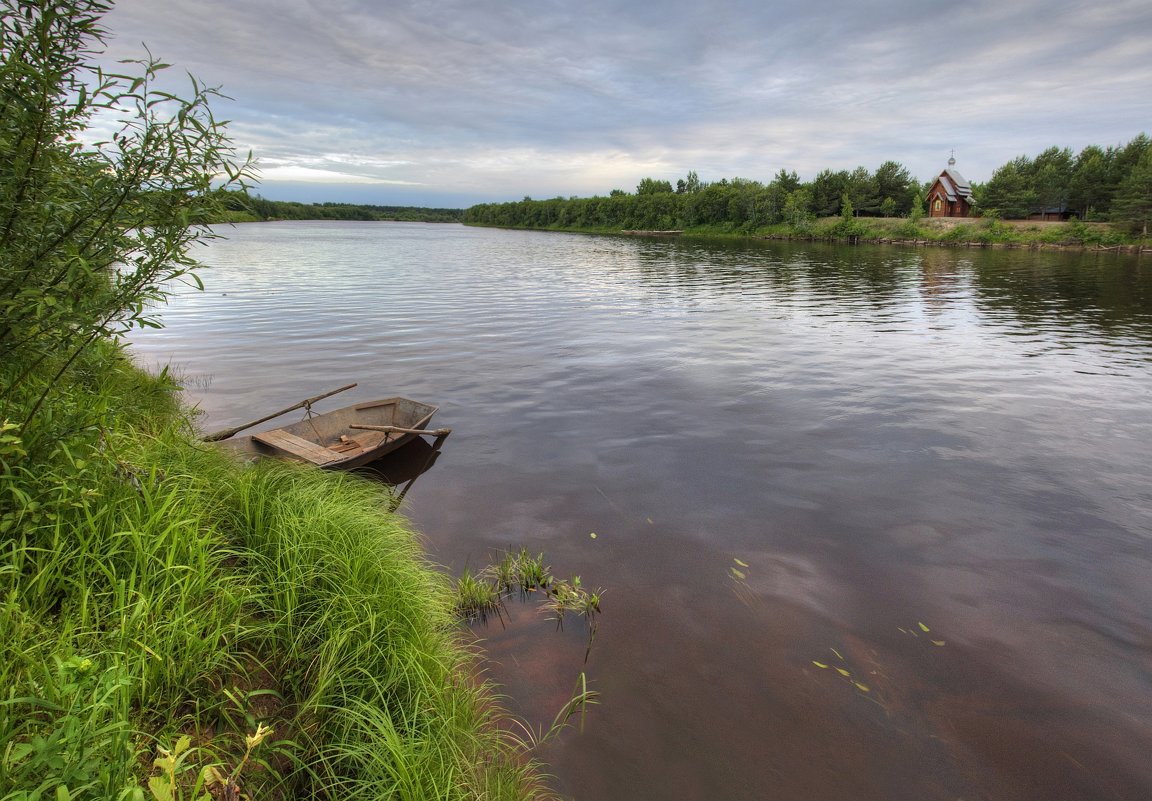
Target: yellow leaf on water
x,y
819,664
833,650
742,564
863,687
737,573
923,627
649,521
592,535
843,672
938,642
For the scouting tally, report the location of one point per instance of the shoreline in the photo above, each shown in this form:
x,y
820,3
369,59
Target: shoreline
x,y
998,235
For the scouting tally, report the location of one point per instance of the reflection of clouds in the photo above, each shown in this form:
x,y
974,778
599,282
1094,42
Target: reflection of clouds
x,y
791,578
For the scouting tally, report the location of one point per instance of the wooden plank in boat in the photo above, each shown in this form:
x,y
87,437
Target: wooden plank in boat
x,y
297,446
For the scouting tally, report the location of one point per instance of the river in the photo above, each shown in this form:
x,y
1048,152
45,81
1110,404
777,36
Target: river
x,y
871,523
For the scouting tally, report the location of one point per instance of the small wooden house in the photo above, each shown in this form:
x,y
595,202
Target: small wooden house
x,y
950,195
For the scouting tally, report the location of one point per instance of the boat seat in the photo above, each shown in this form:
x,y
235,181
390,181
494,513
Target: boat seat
x,y
285,441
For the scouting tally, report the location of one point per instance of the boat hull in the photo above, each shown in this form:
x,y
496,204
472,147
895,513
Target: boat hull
x,y
328,440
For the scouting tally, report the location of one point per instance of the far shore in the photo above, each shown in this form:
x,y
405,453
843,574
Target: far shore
x,y
948,232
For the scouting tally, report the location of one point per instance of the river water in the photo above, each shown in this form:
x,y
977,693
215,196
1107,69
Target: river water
x,y
925,469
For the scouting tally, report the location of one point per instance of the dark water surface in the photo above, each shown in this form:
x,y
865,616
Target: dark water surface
x,y
885,437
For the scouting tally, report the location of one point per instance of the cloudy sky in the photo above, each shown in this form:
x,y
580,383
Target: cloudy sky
x,y
453,102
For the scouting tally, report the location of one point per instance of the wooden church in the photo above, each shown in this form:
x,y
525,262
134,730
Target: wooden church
x,y
950,195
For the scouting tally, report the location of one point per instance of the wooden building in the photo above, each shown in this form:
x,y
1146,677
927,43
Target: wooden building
x,y
950,195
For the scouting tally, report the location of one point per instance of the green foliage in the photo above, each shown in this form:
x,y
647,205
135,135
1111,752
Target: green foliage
x,y
242,206
691,183
481,595
91,235
151,589
916,211
651,186
1011,190
1132,205
181,587
69,738
1086,184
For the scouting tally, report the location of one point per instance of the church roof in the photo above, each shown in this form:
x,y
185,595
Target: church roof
x,y
954,184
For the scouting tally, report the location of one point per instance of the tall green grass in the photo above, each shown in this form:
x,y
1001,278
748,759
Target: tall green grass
x,y
151,589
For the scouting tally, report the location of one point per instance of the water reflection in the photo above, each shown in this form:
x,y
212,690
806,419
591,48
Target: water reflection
x,y
884,437
402,467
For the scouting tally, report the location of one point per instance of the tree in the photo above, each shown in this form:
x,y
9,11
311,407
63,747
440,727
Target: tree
x,y
787,181
916,212
1051,175
1010,191
797,209
827,188
1132,206
651,186
689,184
862,191
893,181
1091,186
92,235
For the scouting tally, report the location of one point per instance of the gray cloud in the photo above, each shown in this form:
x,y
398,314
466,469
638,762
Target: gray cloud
x,y
493,100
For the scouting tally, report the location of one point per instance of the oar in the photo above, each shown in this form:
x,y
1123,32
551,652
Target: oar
x,y
219,435
439,433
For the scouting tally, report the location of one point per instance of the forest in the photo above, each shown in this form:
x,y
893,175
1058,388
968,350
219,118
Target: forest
x,y
242,206
1102,184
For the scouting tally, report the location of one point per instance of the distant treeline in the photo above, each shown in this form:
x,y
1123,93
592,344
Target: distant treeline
x,y
255,207
1113,183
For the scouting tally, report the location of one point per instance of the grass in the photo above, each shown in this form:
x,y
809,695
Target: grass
x,y
988,232
481,595
159,602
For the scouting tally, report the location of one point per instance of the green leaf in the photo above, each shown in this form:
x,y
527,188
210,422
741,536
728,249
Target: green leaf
x,y
160,787
938,642
742,564
738,574
923,627
819,664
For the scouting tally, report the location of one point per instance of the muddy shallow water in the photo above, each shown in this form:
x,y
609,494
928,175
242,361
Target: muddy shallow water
x,y
927,469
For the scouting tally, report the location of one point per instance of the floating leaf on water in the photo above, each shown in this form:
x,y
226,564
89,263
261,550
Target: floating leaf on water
x,y
833,650
742,564
938,642
820,665
843,672
923,627
902,630
863,687
649,521
738,574
592,535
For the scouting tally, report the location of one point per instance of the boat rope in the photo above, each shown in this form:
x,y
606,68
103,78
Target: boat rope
x,y
308,415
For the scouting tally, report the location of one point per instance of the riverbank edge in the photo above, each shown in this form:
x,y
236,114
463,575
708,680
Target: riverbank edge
x,y
973,233
158,597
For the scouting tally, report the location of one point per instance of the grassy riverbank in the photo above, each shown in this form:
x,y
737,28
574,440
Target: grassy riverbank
x,y
942,232
152,590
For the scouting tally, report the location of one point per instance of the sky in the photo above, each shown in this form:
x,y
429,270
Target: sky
x,y
453,102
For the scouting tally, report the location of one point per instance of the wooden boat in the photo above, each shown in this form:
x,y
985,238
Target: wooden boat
x,y
343,438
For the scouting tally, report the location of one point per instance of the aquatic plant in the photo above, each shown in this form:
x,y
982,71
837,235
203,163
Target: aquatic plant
x,y
476,597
